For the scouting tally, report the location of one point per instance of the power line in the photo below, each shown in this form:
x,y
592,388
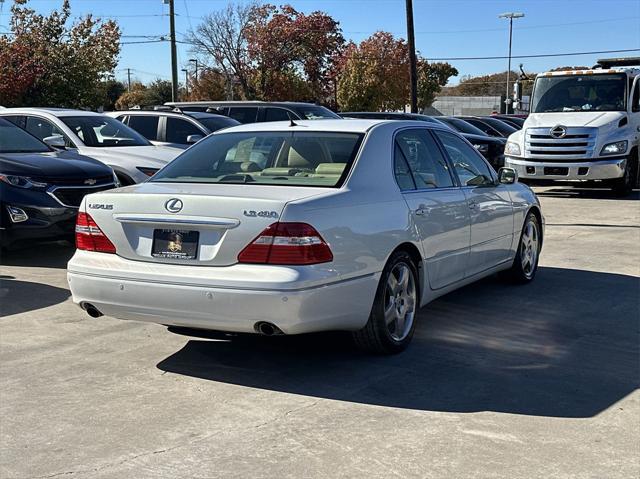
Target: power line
x,y
543,55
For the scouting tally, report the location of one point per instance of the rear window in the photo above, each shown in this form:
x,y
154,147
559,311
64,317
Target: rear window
x,y
269,158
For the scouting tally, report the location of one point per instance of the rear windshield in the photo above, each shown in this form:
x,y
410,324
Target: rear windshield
x,y
317,159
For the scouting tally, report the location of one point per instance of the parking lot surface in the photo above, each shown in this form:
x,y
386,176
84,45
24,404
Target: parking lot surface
x,y
500,381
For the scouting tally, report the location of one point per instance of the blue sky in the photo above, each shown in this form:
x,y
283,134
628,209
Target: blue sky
x,y
444,28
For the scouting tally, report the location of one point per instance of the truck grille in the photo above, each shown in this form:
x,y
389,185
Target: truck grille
x,y
73,196
576,144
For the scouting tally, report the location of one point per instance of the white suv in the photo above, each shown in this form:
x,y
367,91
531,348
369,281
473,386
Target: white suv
x,y
98,136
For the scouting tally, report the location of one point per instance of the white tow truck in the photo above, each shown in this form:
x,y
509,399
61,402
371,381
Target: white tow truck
x,y
583,125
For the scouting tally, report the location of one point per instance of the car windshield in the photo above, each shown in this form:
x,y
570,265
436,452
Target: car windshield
x,y
16,140
315,113
462,126
103,131
266,158
504,128
598,92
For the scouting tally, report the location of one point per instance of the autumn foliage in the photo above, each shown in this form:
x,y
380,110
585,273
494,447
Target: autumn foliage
x,y
47,61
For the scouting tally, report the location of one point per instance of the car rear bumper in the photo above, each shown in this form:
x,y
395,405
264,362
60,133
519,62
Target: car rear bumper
x,y
215,299
568,171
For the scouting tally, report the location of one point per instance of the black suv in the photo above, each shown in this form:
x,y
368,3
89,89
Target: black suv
x,y
259,111
41,188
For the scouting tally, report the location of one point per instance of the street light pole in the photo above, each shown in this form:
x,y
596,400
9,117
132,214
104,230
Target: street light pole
x,y
510,16
195,60
174,54
186,81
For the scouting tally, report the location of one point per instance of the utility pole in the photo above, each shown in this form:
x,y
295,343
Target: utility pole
x,y
510,16
195,60
413,74
129,79
174,55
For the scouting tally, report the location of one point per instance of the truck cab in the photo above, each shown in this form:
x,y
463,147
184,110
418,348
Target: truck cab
x,y
583,126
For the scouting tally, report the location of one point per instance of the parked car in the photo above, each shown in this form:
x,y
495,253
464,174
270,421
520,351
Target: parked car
x,y
490,126
286,229
173,128
41,188
259,111
515,121
491,148
98,136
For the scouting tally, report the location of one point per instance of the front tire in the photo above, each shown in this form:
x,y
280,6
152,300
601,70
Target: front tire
x,y
392,320
624,186
525,264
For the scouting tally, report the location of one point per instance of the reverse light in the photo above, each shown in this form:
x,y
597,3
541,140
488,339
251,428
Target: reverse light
x,y
512,149
616,148
287,244
89,236
21,181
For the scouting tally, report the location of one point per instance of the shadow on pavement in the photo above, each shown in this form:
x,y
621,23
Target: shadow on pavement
x,y
22,296
38,254
586,193
564,346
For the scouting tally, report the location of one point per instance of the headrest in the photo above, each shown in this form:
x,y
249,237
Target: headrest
x,y
330,168
282,171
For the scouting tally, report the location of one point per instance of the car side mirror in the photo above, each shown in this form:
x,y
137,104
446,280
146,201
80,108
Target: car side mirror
x,y
507,176
55,141
194,138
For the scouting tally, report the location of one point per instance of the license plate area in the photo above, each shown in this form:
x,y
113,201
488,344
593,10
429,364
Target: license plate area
x,y
556,170
175,244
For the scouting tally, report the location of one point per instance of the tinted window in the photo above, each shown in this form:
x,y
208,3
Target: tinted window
x,y
17,120
488,129
15,140
469,165
146,125
462,126
268,158
42,129
244,114
426,163
215,123
636,98
103,131
501,126
402,171
276,114
178,130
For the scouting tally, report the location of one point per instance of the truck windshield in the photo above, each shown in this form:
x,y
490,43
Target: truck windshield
x,y
596,92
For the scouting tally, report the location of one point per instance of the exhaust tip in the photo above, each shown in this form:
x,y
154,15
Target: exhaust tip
x,y
267,329
92,310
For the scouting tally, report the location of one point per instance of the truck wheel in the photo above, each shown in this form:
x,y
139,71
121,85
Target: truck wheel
x,y
392,319
525,264
624,186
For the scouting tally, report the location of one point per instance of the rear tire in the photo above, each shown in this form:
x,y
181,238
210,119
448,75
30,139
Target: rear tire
x,y
525,264
622,187
392,320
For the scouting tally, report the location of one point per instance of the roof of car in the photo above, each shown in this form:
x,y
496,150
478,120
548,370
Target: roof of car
x,y
193,114
242,103
52,111
342,125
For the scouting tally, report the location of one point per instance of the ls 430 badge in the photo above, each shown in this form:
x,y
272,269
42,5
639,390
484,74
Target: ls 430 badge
x,y
261,214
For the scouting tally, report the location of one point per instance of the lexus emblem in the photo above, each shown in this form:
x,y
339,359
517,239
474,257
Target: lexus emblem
x,y
558,131
174,205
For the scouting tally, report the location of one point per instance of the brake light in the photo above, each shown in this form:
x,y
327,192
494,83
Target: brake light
x,y
287,244
90,237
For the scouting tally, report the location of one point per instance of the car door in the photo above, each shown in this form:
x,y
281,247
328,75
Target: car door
x,y
42,128
489,204
438,206
146,125
178,131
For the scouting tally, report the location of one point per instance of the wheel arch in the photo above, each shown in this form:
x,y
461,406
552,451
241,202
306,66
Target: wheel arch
x,y
414,252
536,211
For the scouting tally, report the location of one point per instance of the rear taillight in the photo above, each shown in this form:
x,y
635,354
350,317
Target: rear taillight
x,y
287,244
90,237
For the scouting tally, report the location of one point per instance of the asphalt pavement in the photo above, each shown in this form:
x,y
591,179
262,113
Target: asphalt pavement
x,y
500,381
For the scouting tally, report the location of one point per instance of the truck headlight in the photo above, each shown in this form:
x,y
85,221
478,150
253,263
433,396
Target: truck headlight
x,y
512,149
615,148
21,181
481,147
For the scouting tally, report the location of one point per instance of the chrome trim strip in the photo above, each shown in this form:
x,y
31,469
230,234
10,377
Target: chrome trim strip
x,y
185,220
52,189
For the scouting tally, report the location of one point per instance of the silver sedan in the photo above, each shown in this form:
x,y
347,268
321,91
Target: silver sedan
x,y
287,228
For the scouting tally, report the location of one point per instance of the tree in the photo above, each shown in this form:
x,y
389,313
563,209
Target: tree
x,y
211,85
487,85
431,78
221,39
292,53
157,92
112,90
55,63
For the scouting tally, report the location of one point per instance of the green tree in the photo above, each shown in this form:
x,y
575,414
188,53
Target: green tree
x,y
66,62
431,78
